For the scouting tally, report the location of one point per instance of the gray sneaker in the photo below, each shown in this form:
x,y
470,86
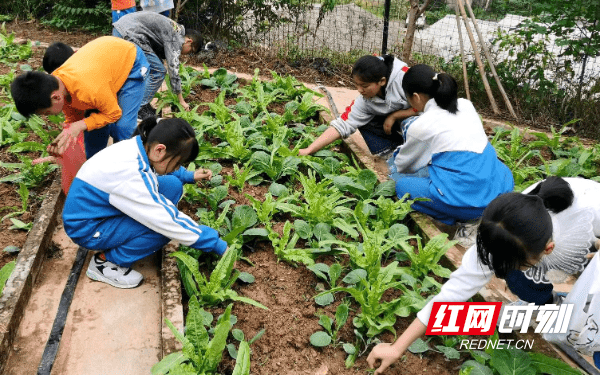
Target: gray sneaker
x,y
110,273
466,233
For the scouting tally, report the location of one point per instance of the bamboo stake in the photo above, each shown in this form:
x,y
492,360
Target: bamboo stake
x,y
462,55
489,60
488,90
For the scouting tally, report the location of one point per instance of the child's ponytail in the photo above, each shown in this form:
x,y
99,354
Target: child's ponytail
x,y
514,228
442,87
176,134
555,192
145,127
371,68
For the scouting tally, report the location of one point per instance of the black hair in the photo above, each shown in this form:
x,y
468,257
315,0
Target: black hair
x,y
442,87
32,91
176,134
371,68
516,227
555,192
56,54
197,40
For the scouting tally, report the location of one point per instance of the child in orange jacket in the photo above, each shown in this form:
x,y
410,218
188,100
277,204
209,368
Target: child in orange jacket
x,y
108,74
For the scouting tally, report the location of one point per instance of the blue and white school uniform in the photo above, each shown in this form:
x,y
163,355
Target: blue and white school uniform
x,y
119,205
574,231
447,158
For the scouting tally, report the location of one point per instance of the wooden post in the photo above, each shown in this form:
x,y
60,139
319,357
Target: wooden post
x,y
490,63
488,90
462,55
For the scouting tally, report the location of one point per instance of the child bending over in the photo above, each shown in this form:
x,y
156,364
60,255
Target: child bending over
x,y
161,39
107,74
123,201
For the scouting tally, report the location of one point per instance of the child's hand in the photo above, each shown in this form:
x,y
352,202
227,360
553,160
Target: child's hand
x,y
66,138
303,152
202,174
386,354
388,124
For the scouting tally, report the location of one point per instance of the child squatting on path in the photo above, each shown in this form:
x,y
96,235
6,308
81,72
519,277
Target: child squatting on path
x,y
107,74
377,112
552,226
446,156
161,39
123,201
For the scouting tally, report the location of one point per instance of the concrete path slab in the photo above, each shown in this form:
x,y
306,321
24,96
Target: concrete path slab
x,y
108,330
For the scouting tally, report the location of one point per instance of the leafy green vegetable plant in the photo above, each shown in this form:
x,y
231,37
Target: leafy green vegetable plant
x,y
425,259
419,346
330,335
201,354
221,79
330,274
217,288
243,175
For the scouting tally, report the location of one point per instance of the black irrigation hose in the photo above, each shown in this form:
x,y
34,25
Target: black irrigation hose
x,y
58,326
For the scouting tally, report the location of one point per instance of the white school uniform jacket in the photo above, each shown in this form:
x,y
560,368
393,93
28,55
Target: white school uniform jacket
x,y
464,168
120,181
574,231
362,110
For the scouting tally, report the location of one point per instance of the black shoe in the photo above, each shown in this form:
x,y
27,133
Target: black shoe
x,y
146,111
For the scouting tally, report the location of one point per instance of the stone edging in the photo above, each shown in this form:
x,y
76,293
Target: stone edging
x,y
19,286
171,302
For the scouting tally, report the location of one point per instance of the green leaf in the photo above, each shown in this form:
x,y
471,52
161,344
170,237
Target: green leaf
x,y
349,348
325,322
256,232
341,316
257,336
168,362
512,362
278,190
5,272
551,366
233,353
354,276
242,363
246,277
324,299
303,229
418,346
477,368
449,353
386,189
216,346
321,270
320,339
321,230
238,334
11,249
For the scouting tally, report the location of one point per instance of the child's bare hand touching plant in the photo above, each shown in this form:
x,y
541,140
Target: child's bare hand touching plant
x,y
202,174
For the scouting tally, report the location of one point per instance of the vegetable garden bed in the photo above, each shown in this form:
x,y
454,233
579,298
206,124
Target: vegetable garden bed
x,y
302,227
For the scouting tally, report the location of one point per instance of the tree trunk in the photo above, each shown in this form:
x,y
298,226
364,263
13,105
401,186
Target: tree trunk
x,y
414,14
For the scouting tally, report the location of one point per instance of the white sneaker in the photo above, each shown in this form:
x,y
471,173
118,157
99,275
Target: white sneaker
x,y
110,273
466,233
